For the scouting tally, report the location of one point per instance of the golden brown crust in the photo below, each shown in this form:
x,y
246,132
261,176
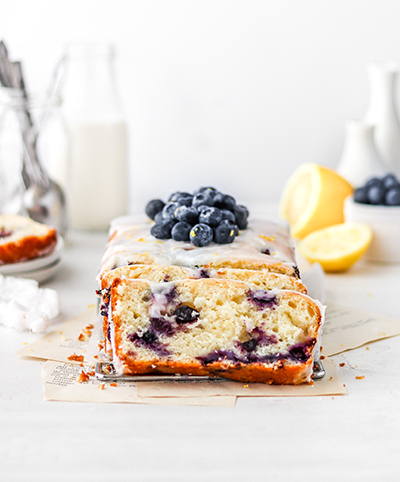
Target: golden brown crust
x,y
279,374
28,248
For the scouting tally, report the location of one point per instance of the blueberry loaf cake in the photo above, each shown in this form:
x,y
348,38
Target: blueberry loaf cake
x,y
22,239
233,305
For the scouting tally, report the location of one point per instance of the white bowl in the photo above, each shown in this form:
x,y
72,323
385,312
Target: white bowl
x,y
385,224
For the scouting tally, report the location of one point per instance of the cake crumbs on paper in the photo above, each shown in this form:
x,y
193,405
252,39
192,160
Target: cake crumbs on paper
x,y
75,357
25,343
101,386
367,348
83,377
360,377
342,364
113,384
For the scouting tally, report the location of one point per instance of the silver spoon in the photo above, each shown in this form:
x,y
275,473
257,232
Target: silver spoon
x,y
43,200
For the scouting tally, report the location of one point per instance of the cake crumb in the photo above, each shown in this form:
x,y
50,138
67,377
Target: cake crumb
x,y
113,384
342,364
330,378
83,377
101,386
75,357
360,377
322,357
367,348
245,386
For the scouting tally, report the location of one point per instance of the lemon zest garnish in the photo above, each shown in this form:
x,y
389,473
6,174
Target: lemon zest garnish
x,y
268,238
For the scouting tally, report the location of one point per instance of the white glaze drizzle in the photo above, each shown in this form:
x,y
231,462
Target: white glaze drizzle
x,y
135,239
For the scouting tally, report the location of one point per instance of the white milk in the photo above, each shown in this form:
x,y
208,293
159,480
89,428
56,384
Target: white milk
x,y
98,173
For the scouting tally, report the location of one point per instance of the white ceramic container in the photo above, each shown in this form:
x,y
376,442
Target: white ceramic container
x,y
385,224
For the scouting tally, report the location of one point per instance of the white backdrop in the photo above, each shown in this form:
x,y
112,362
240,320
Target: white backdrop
x,y
231,93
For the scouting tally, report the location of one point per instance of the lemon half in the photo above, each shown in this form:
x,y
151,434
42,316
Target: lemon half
x,y
337,247
313,198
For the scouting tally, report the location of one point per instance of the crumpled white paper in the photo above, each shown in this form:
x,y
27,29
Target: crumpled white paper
x,y
25,306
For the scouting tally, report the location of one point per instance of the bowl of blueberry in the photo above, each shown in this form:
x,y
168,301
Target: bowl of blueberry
x,y
201,218
377,203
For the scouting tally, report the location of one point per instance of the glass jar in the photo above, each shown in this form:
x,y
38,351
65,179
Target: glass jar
x,y
98,137
33,151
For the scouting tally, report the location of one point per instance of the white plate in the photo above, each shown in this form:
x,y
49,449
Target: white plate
x,y
36,263
41,275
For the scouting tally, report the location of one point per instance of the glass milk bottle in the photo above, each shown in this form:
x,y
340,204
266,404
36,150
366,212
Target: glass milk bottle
x,y
98,137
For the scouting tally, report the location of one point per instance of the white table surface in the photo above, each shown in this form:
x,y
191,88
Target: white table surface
x,y
353,437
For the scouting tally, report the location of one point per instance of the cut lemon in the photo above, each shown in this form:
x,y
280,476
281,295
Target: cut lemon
x,y
313,198
337,247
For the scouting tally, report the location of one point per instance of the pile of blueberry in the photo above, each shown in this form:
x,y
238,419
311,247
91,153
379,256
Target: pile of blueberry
x,y
205,216
383,191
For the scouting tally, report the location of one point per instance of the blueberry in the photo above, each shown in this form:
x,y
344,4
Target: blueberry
x,y
392,197
149,337
241,215
154,207
225,232
178,194
169,210
201,235
210,189
202,207
187,214
374,181
210,216
186,314
228,215
376,194
224,201
163,230
250,345
205,197
183,198
159,218
180,232
361,195
390,181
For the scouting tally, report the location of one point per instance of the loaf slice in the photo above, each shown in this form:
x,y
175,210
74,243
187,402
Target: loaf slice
x,y
22,239
216,327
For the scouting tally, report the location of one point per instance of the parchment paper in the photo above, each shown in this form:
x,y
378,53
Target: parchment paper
x,y
60,385
63,342
346,329
329,385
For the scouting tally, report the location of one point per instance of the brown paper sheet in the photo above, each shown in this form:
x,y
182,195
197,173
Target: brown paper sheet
x,y
329,385
60,385
346,329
